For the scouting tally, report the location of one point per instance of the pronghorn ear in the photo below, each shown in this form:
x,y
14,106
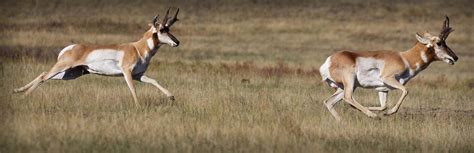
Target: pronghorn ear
x,y
155,20
424,40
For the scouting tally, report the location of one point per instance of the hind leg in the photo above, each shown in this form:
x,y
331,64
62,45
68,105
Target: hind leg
x,y
57,68
332,100
22,89
71,73
382,100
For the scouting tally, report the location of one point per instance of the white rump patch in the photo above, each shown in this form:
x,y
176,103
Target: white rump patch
x,y
324,69
68,48
368,71
326,75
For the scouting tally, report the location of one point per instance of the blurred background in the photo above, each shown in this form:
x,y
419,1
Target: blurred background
x,y
296,32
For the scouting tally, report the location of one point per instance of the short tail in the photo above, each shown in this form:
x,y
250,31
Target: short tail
x,y
324,69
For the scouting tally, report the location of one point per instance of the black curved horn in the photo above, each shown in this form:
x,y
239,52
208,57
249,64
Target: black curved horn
x,y
173,19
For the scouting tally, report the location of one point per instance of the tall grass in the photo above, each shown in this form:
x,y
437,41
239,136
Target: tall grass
x,y
245,78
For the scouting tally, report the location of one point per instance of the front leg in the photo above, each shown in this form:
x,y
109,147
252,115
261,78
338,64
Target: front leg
x,y
127,73
391,81
155,83
382,100
349,88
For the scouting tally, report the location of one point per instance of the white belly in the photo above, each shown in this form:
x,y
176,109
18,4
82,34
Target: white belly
x,y
368,72
105,62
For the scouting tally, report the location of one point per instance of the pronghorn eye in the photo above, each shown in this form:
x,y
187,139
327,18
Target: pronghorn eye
x,y
164,30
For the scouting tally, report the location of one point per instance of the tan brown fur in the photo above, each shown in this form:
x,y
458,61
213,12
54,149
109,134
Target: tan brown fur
x,y
133,50
413,55
343,72
133,62
404,65
346,61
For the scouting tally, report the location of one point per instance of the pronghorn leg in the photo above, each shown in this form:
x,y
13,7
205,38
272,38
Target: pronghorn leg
x,y
155,83
382,100
22,89
71,73
391,81
348,90
332,100
128,78
57,68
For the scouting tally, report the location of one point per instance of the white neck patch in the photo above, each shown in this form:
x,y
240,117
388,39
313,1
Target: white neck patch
x,y
417,67
150,43
424,57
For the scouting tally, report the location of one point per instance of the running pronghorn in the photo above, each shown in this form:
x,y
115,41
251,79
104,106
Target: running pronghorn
x,y
382,70
130,60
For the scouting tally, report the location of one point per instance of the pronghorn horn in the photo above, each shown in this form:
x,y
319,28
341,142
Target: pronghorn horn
x,y
174,19
165,20
446,29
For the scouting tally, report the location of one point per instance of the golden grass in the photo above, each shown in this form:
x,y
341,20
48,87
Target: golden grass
x,y
244,77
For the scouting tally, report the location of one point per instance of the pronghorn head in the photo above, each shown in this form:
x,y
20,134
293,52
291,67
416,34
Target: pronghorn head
x,y
438,43
162,29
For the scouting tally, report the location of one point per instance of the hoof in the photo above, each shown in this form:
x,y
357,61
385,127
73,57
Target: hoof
x,y
373,116
390,112
172,98
377,117
16,90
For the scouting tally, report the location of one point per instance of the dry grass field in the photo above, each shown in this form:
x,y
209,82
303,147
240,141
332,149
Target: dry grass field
x,y
276,45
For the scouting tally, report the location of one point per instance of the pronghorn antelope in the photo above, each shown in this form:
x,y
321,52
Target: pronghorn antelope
x,y
382,70
130,60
